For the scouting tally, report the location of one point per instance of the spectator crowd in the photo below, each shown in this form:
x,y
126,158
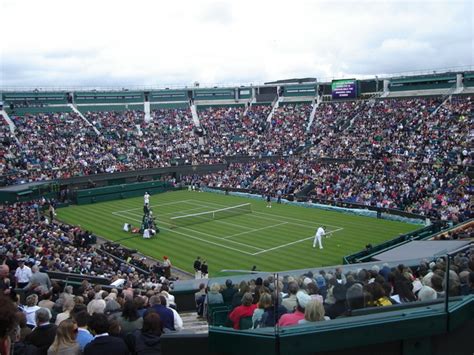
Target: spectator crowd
x,y
410,154
51,318
329,294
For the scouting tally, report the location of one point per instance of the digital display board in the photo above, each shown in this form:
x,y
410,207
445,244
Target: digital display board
x,y
344,89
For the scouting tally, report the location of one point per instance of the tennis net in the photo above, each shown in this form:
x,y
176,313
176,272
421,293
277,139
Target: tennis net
x,y
195,218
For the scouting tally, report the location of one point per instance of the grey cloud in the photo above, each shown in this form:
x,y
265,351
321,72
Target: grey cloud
x,y
217,12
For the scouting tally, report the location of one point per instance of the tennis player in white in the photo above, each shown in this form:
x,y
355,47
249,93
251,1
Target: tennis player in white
x,y
146,198
317,237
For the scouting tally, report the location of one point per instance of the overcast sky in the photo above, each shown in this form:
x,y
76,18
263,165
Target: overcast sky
x,y
161,43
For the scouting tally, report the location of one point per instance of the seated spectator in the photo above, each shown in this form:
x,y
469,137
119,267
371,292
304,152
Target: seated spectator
x,y
229,291
214,296
426,293
264,302
245,310
84,337
146,340
314,312
103,343
44,334
378,297
340,306
290,302
313,291
166,314
65,341
24,329
66,314
97,304
30,310
46,301
243,289
130,320
273,312
302,299
178,321
200,297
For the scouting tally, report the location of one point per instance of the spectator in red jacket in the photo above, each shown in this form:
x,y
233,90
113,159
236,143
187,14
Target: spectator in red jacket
x,y
245,310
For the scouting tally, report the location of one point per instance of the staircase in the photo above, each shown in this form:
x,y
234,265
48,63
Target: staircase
x,y
146,107
74,109
7,118
192,323
447,96
275,105
316,102
249,105
195,115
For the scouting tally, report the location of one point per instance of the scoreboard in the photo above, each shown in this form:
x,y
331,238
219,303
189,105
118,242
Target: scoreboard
x,y
344,89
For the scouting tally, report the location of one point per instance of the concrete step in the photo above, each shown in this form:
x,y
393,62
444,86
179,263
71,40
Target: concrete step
x,y
191,322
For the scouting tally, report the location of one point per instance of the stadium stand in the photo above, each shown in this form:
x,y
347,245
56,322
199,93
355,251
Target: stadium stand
x,y
412,154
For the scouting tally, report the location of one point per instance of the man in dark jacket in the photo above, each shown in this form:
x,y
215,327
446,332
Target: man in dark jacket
x,y
166,314
43,335
103,343
197,268
229,292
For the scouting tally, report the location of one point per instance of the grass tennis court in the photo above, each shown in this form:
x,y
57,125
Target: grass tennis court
x,y
273,239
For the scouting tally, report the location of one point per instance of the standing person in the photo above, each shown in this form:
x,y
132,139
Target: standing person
x,y
52,212
22,274
65,341
279,193
204,270
146,198
197,268
167,266
39,281
317,237
146,209
269,199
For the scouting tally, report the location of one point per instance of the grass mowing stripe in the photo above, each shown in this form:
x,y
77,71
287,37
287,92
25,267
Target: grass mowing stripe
x,y
357,232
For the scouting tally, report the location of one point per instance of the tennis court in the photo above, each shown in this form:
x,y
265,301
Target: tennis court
x,y
273,239
213,223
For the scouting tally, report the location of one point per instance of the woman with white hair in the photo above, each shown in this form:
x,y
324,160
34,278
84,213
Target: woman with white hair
x,y
68,306
314,312
214,296
426,293
30,310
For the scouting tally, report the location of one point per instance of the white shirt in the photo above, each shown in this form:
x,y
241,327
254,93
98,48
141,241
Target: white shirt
x,y
146,198
178,321
320,232
23,274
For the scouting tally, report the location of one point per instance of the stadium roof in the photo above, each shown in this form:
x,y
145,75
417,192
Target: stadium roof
x,y
421,250
292,81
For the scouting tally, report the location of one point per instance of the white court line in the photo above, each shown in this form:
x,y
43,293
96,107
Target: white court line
x,y
255,230
180,211
193,237
278,217
163,204
195,231
291,243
